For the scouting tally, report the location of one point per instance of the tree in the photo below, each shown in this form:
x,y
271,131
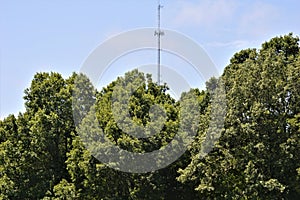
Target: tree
x,y
51,150
257,155
34,151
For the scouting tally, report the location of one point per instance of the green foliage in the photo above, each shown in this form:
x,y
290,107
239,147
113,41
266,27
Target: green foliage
x,y
43,156
257,156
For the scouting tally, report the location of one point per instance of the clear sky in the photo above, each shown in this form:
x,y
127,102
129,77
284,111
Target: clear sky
x,y
58,35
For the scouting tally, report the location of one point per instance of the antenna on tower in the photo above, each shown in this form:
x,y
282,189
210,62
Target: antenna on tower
x,y
159,33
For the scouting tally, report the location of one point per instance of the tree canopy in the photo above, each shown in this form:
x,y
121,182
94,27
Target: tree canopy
x,y
255,156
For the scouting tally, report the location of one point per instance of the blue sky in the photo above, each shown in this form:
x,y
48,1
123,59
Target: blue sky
x,y
38,36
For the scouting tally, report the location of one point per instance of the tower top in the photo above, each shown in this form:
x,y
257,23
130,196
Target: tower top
x,y
158,33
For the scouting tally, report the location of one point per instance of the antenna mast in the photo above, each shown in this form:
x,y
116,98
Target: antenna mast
x,y
159,33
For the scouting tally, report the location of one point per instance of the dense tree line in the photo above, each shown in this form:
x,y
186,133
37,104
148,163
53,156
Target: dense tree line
x,y
256,157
